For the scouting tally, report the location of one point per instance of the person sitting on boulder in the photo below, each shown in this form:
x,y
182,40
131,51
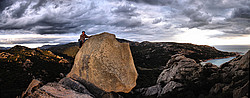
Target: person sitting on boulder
x,y
82,38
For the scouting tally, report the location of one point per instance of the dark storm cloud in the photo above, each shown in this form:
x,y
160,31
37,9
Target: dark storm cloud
x,y
131,23
125,16
230,17
148,19
47,16
232,27
157,20
5,3
236,24
58,17
125,11
196,17
155,2
242,13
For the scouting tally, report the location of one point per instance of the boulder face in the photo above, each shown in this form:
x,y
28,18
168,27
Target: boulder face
x,y
182,77
106,63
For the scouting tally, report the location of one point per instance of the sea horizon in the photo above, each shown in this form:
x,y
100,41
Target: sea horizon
x,y
242,49
225,48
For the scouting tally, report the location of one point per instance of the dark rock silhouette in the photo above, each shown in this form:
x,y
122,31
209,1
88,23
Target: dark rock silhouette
x,y
183,77
19,65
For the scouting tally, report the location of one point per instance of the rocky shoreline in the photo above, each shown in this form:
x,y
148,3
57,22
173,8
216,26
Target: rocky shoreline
x,y
222,57
165,69
184,78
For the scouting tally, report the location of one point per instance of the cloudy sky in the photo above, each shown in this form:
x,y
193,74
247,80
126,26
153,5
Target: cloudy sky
x,y
205,22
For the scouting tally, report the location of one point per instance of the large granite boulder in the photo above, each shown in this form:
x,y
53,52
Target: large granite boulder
x,y
106,63
102,67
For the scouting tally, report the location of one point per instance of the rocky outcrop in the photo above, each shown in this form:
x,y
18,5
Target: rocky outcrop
x,y
66,88
172,79
178,68
235,78
183,77
34,85
102,67
106,63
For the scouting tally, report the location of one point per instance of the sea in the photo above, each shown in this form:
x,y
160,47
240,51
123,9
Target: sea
x,y
242,49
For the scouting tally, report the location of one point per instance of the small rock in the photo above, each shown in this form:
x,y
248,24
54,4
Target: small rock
x,y
34,85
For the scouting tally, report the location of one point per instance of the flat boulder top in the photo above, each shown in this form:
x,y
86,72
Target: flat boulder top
x,y
106,63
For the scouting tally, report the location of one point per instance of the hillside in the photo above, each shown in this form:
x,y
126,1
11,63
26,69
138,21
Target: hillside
x,y
19,65
66,50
